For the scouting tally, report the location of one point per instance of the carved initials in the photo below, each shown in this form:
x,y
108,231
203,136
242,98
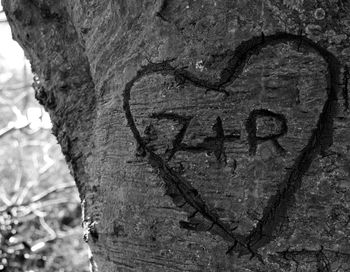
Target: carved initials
x,y
216,144
177,142
251,128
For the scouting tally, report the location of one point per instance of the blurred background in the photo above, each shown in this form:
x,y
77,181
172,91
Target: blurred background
x,y
40,215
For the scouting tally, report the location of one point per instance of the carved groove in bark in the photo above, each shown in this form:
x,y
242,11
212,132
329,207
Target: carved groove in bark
x,y
186,197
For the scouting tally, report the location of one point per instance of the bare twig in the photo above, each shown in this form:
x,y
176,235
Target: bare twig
x,y
51,190
3,197
46,227
57,201
40,244
17,87
18,180
11,128
36,199
22,194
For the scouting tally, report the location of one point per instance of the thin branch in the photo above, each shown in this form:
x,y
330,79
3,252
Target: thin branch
x,y
40,244
11,128
40,197
33,208
3,197
52,202
22,193
16,88
46,227
53,189
18,181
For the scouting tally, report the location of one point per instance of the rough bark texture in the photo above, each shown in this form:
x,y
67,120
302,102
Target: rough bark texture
x,y
202,135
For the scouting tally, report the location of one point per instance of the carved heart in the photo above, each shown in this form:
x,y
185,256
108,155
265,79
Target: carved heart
x,y
226,140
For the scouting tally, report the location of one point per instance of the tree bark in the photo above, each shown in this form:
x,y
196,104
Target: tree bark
x,y
202,135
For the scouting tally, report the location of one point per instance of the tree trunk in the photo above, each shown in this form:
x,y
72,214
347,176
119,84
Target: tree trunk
x,y
202,135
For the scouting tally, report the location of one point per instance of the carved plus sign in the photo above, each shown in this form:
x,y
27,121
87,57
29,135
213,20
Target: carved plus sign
x,y
215,144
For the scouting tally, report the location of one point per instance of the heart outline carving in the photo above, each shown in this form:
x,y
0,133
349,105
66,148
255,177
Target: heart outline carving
x,y
186,197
